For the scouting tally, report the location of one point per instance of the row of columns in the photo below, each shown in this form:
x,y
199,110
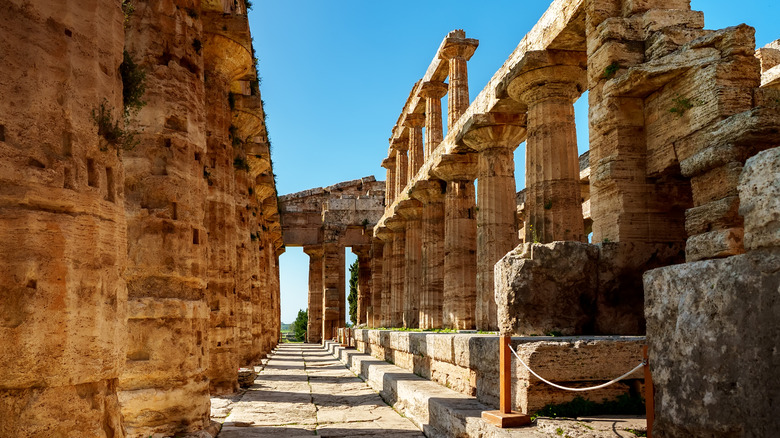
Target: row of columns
x,y
440,247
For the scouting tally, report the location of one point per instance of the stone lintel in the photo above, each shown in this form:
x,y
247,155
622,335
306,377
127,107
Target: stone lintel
x,y
457,167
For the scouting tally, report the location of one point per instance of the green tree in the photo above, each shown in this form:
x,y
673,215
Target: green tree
x,y
299,325
353,291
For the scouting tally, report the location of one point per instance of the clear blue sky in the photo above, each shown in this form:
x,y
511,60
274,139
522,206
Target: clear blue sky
x,y
336,75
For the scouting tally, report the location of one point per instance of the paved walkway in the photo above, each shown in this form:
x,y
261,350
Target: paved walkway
x,y
304,391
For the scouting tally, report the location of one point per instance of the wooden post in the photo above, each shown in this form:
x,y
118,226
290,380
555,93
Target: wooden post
x,y
649,394
505,417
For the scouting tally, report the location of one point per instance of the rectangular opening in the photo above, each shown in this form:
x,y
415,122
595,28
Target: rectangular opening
x,y
110,190
92,175
2,132
195,236
174,211
67,139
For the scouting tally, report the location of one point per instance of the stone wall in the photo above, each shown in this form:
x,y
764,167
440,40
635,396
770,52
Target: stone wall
x,y
63,300
713,329
468,363
124,258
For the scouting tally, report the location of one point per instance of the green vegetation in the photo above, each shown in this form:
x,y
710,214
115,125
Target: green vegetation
x,y
637,432
133,85
128,9
353,291
610,70
113,131
248,4
625,404
681,105
548,204
298,327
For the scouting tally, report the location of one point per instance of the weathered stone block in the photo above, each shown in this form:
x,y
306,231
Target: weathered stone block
x,y
759,190
714,244
718,183
547,288
712,328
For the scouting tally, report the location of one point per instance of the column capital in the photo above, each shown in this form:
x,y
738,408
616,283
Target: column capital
x,y
384,234
410,209
492,130
415,120
433,90
400,144
361,250
396,224
389,162
458,47
313,251
555,81
429,191
457,167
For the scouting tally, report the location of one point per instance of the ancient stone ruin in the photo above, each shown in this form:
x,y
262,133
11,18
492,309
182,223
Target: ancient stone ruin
x,y
139,242
140,227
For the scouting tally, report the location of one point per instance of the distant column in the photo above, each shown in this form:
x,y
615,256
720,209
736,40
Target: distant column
x,y
332,273
363,253
314,326
458,50
434,132
386,235
377,286
397,285
460,240
401,168
389,164
497,211
411,211
415,124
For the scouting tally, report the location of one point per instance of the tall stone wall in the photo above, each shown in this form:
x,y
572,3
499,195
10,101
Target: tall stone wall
x,y
63,300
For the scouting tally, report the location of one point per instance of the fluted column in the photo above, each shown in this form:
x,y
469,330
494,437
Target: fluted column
x,y
496,212
386,235
374,306
434,132
389,164
460,240
332,278
458,50
314,326
363,253
397,284
553,203
401,167
415,124
431,194
411,211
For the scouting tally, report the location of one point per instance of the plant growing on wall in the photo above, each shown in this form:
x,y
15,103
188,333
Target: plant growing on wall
x,y
240,163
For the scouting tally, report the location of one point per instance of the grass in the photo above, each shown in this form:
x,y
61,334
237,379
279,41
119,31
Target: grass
x,y
579,407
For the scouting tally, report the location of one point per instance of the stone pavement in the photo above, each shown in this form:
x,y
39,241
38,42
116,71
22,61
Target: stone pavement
x,y
304,391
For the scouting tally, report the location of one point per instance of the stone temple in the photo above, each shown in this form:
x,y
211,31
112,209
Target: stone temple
x,y
141,229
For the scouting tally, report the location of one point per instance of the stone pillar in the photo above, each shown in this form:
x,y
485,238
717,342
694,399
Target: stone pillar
x,y
386,235
332,287
401,168
458,50
389,164
431,194
364,277
415,123
398,270
314,325
377,283
434,132
553,202
63,241
460,240
496,212
411,211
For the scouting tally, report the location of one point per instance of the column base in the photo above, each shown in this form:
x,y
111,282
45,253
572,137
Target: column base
x,y
504,420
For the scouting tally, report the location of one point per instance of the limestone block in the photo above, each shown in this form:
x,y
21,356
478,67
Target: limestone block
x,y
716,184
759,191
768,56
546,288
713,244
712,328
720,214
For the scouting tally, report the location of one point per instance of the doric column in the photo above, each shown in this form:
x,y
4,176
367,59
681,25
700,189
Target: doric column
x,y
383,312
496,206
415,124
401,167
332,287
431,194
411,211
458,50
363,253
434,132
398,271
553,206
314,326
389,164
377,283
460,240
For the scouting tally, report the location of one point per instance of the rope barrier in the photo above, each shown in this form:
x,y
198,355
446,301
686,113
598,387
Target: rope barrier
x,y
641,364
